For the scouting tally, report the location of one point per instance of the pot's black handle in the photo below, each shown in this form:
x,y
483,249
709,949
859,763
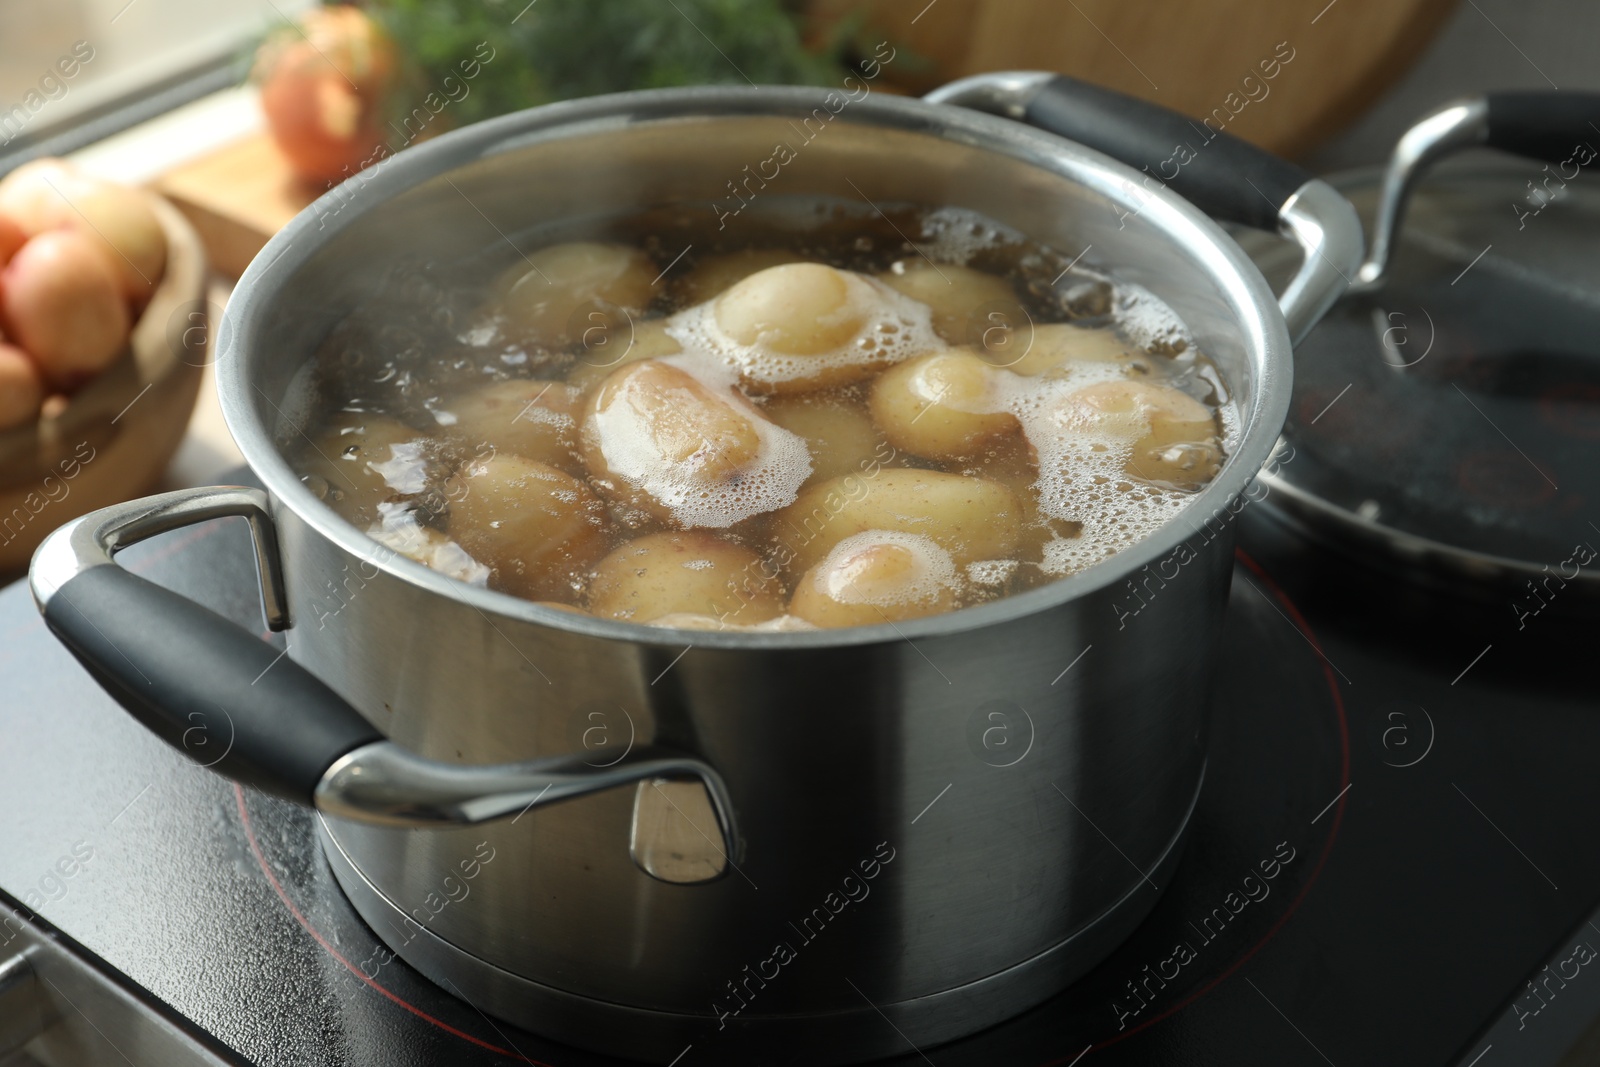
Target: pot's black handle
x,y
220,695
1215,171
235,704
1554,126
1227,178
206,686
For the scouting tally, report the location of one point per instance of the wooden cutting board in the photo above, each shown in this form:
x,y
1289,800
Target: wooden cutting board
x,y
236,198
1193,56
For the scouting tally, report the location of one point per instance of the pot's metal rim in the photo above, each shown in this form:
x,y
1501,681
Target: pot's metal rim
x,y
1264,332
1377,543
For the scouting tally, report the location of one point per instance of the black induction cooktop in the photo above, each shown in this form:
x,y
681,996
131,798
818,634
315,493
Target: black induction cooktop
x,y
1392,860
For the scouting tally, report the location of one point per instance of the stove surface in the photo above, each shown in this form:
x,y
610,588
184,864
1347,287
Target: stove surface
x,y
1388,847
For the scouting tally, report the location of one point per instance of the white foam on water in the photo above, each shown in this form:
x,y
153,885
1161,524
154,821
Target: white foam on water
x,y
1081,458
991,571
894,328
955,235
692,495
844,572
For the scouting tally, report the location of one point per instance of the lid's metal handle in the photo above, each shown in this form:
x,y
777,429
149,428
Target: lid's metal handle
x,y
1559,127
1457,125
1228,178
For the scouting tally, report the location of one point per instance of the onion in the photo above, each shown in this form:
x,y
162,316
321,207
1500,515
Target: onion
x,y
31,195
12,237
60,302
48,194
322,92
21,388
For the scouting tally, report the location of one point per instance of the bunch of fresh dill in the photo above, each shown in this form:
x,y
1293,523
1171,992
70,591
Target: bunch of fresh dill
x,y
556,49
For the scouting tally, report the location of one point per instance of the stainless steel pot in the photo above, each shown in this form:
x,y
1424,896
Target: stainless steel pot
x,y
836,843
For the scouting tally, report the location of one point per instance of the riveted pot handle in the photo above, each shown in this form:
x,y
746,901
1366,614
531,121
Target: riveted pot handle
x,y
196,680
233,703
1225,177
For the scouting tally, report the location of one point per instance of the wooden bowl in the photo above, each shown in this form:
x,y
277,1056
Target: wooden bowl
x,y
112,439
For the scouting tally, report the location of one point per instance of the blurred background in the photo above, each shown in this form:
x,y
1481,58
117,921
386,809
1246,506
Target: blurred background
x,y
1364,66
345,85
239,113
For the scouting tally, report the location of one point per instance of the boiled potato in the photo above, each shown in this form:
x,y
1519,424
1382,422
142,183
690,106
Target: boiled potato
x,y
657,438
805,326
956,294
537,298
801,309
1174,436
688,573
877,576
970,518
838,432
715,274
942,406
529,418
1058,345
535,527
363,459
1010,463
647,340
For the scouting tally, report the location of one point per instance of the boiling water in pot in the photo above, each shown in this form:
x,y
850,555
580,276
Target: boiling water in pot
x,y
818,416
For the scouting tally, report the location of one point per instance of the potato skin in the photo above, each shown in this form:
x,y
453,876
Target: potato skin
x,y
536,298
525,417
716,274
684,573
800,309
876,577
838,431
1054,346
955,294
648,339
941,406
537,528
970,518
